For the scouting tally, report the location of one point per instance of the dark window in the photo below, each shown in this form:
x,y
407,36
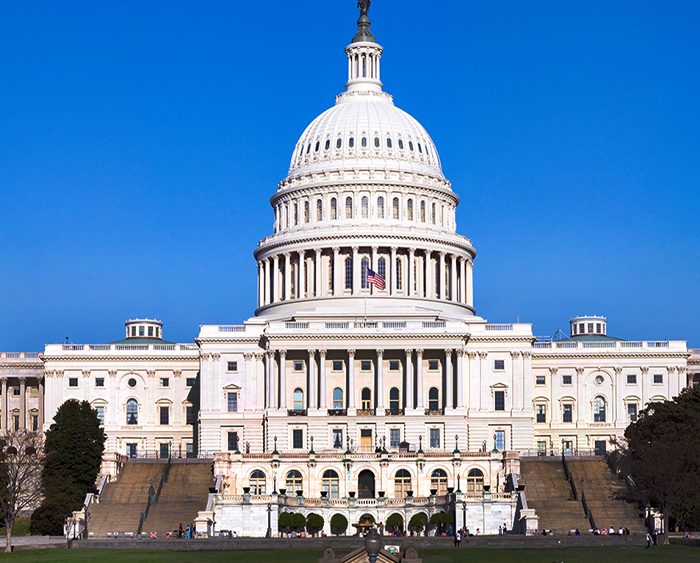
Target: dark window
x,y
366,365
99,382
376,142
567,413
318,145
337,365
658,378
394,365
499,400
232,441
394,404
141,331
308,148
35,421
132,382
597,328
190,381
434,437
541,413
388,142
539,380
394,438
232,366
150,331
364,141
401,144
433,365
351,142
72,382
339,143
420,149
631,379
433,399
132,412
297,439
499,364
191,415
233,402
632,412
164,382
298,365
337,438
566,379
164,451
165,415
410,145
366,396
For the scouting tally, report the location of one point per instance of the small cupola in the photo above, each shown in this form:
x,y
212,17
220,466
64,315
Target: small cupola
x,y
144,328
588,325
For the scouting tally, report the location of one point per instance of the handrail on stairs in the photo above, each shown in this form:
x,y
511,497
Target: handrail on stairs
x,y
163,479
569,476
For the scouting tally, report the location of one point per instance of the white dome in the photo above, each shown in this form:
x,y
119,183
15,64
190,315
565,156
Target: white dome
x,y
392,139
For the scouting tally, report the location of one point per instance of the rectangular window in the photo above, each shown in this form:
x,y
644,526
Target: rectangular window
x,y
165,415
541,448
101,414
590,328
298,365
366,365
190,381
394,438
15,390
15,419
567,413
141,331
434,437
231,366
499,400
297,439
632,412
499,365
164,448
631,379
150,331
232,441
132,450
165,382
233,402
566,380
72,382
337,438
191,415
499,440
35,423
189,450
433,365
337,365
541,413
99,382
33,391
597,328
539,380
394,365
658,378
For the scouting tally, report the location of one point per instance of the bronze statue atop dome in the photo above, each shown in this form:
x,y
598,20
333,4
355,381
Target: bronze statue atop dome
x,y
363,33
363,5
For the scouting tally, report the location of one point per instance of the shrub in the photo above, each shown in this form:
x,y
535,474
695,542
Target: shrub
x,y
298,521
393,521
418,521
314,523
339,524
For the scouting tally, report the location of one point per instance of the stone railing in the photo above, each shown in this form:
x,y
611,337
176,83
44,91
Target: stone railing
x,y
115,348
616,345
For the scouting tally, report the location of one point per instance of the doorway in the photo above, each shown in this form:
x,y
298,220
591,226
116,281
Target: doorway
x,y
365,484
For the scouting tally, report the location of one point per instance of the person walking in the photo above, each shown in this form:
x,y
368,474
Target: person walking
x,y
458,539
648,540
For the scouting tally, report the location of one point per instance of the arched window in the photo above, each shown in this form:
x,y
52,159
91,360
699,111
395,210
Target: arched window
x,y
364,264
337,398
438,480
348,272
334,209
376,142
381,267
331,275
132,412
348,207
402,483
298,399
399,273
395,207
306,212
339,143
318,146
294,483
388,142
319,210
409,209
328,144
330,483
401,144
410,145
296,214
366,399
433,399
422,212
475,481
442,216
433,214
437,280
351,142
286,216
380,207
257,482
599,409
365,207
364,142
394,399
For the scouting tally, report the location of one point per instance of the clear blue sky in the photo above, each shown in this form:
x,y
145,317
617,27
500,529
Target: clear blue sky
x,y
140,143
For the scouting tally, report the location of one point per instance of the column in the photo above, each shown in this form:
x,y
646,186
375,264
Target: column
x,y
392,269
259,401
411,271
287,276
580,422
283,379
5,405
271,402
483,370
276,278
337,268
317,272
443,282
261,287
419,379
380,383
470,287
250,379
518,383
374,266
312,380
351,381
453,278
408,392
322,378
268,269
462,280
449,380
429,276
41,404
301,287
460,378
474,382
356,270
22,403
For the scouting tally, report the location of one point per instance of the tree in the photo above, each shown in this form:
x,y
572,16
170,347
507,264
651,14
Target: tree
x,y
284,521
339,524
73,447
298,521
393,521
314,523
418,521
661,453
21,463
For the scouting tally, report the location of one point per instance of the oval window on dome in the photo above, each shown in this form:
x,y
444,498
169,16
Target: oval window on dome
x,y
376,142
364,141
401,144
339,143
328,144
318,146
420,149
410,145
388,142
351,142
308,148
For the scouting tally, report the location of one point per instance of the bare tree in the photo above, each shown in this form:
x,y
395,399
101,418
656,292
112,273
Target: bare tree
x,y
21,462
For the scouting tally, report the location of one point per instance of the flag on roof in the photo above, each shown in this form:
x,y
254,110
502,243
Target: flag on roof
x,y
374,278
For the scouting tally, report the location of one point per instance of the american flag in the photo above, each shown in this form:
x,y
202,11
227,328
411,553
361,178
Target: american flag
x,y
376,279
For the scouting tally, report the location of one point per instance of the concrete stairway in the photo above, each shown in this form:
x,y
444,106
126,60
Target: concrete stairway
x,y
605,495
122,501
549,493
183,495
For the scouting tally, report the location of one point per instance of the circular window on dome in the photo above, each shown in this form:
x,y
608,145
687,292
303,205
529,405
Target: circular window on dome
x,y
132,382
599,380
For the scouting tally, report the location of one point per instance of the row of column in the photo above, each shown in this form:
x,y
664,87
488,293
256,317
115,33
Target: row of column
x,y
453,282
23,396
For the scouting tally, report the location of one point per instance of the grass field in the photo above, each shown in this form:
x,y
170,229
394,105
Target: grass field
x,y
659,554
20,528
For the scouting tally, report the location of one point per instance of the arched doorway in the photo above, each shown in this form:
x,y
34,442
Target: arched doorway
x,y
365,484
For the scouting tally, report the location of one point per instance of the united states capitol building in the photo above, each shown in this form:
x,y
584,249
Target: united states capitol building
x,y
345,396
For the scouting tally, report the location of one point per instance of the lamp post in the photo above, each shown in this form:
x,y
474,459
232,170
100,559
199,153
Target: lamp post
x,y
269,521
373,543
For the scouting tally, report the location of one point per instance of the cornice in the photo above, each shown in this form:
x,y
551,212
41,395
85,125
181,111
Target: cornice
x,y
21,366
361,336
494,339
596,355
90,358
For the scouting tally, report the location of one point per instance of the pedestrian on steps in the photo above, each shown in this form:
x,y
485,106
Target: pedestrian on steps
x,y
648,540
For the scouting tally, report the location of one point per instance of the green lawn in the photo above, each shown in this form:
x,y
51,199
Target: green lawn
x,y
20,528
659,554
